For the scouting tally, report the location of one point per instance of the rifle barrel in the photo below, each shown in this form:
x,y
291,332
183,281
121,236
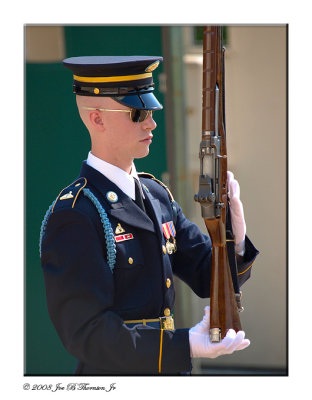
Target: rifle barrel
x,y
213,186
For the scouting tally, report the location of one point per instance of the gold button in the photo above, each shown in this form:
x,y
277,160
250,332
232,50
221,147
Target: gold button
x,y
168,283
167,312
96,90
164,249
130,260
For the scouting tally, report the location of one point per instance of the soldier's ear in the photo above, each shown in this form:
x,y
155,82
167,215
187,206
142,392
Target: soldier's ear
x,y
95,118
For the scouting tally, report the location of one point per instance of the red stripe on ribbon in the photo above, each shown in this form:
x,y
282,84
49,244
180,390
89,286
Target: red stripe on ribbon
x,y
121,238
166,230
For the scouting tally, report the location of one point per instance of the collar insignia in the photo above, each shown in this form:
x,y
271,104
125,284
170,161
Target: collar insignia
x,y
112,197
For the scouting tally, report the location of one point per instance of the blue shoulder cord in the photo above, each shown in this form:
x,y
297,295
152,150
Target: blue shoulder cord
x,y
44,224
108,231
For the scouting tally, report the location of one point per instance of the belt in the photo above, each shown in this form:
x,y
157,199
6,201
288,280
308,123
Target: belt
x,y
166,323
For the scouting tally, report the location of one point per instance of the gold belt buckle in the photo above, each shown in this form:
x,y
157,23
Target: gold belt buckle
x,y
167,323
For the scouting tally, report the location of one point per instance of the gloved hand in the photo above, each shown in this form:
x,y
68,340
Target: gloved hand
x,y
201,346
237,214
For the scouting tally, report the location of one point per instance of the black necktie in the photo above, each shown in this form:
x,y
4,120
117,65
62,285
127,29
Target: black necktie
x,y
138,195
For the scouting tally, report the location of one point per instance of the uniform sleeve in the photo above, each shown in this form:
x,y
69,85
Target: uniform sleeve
x,y
245,263
80,296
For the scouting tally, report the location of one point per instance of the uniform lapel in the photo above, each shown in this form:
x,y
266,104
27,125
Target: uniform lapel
x,y
154,210
127,211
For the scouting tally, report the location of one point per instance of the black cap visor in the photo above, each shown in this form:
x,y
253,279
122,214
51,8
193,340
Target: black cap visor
x,y
140,101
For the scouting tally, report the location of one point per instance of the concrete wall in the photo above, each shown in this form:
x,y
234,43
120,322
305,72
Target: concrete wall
x,y
44,43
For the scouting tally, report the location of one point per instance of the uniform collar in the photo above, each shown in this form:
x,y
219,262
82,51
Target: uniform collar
x,y
123,209
119,177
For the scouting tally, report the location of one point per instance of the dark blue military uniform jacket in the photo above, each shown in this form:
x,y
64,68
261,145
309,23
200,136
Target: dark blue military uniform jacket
x,y
88,303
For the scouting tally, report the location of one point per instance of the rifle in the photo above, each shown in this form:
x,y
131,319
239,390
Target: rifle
x,y
212,195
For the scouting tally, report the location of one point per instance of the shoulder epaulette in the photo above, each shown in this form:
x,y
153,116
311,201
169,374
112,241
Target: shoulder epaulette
x,y
150,176
68,196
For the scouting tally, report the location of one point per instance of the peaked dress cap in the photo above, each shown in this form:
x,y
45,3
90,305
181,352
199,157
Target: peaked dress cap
x,y
127,79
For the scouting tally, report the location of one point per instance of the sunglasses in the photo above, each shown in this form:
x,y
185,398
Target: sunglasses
x,y
135,115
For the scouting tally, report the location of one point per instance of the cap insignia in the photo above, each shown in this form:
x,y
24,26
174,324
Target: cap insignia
x,y
151,67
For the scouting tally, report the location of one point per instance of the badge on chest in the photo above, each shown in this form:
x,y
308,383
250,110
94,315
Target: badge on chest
x,y
170,233
121,238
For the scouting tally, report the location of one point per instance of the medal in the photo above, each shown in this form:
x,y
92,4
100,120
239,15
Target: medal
x,y
170,233
171,247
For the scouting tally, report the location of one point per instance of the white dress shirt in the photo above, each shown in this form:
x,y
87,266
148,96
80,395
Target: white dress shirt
x,y
121,178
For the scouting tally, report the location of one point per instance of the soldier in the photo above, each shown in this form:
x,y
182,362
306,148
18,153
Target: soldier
x,y
112,240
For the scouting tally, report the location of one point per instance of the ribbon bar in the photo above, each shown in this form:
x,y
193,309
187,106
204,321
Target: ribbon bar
x,y
169,229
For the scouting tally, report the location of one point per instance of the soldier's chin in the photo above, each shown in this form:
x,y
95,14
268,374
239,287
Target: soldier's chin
x,y
143,153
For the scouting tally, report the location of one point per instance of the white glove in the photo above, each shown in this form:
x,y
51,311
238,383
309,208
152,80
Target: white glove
x,y
201,346
237,214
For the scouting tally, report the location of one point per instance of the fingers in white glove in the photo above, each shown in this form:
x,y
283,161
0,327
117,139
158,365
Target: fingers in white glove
x,y
233,186
202,347
245,343
240,248
207,315
227,344
235,341
237,212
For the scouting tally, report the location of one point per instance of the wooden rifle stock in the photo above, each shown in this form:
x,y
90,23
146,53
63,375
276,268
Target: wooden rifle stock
x,y
213,186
